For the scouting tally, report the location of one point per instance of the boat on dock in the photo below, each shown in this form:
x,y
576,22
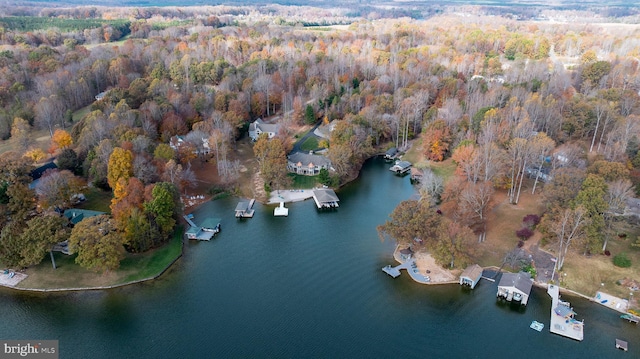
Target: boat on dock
x,y
536,325
631,318
562,317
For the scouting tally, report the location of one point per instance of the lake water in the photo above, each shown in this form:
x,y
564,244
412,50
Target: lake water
x,y
306,286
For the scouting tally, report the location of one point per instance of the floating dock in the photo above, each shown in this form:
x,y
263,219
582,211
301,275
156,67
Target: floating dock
x,y
410,266
245,209
562,321
281,211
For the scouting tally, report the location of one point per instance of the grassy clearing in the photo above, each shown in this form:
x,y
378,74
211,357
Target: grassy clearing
x,y
414,154
39,139
302,182
597,273
503,221
310,144
147,265
97,200
134,267
79,114
444,169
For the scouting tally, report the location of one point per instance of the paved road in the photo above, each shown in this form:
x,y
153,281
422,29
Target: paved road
x,y
296,146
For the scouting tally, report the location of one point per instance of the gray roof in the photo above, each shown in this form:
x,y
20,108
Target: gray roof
x,y
242,206
325,195
564,311
264,127
521,281
304,159
392,151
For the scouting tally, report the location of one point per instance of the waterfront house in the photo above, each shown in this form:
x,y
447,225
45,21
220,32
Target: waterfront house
x,y
307,164
75,215
401,167
471,276
515,287
258,127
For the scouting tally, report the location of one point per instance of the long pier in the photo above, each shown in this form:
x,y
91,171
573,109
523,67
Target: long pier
x,y
562,322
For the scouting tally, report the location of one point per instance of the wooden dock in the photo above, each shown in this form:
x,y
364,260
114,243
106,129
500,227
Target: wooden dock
x,y
562,321
410,266
244,209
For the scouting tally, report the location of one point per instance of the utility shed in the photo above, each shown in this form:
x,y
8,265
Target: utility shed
x,y
471,276
515,287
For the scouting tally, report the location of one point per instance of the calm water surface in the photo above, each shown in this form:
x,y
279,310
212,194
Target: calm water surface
x,y
305,286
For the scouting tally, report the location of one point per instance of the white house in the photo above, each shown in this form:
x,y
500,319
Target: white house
x,y
258,127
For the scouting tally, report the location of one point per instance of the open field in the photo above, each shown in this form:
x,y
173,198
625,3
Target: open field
x,y
40,139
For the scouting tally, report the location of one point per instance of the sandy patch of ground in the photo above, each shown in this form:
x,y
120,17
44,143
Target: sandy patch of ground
x,y
8,281
425,261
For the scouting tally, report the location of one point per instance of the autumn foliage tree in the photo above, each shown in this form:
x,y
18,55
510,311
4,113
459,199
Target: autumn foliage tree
x,y
61,139
98,244
436,140
120,166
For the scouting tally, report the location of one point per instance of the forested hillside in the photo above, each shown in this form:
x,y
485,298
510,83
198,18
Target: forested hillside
x,y
506,99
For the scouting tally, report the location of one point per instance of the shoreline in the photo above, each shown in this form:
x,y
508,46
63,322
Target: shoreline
x,y
536,283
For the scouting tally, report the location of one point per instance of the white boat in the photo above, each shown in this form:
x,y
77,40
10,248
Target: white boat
x,y
535,325
281,211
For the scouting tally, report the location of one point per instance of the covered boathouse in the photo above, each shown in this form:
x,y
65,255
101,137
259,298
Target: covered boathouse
x,y
401,167
471,276
515,287
204,230
325,198
244,209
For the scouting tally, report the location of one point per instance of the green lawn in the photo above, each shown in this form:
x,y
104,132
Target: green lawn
x,y
310,144
147,265
303,182
97,200
444,169
133,268
78,115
